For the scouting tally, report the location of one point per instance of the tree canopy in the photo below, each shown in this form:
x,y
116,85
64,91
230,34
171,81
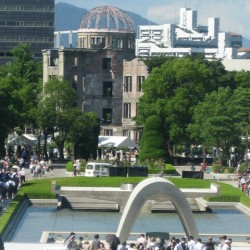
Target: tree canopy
x,y
193,97
58,116
20,82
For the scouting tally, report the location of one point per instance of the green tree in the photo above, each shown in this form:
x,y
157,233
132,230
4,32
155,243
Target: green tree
x,y
241,113
174,89
19,85
84,134
152,145
55,111
214,123
242,79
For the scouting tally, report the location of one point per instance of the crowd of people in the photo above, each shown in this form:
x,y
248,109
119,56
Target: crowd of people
x,y
10,179
13,173
143,243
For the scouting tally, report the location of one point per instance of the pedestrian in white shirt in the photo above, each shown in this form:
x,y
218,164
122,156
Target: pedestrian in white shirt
x,y
226,245
199,245
191,243
142,240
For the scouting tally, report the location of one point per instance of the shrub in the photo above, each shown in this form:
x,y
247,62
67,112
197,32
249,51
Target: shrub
x,y
169,169
69,166
154,164
216,168
242,168
230,169
152,141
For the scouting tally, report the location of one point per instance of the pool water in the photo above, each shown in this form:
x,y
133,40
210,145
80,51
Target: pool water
x,y
39,219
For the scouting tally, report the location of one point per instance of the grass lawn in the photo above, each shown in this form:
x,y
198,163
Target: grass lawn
x,y
41,188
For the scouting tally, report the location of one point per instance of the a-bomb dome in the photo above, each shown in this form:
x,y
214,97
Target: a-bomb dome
x,y
107,17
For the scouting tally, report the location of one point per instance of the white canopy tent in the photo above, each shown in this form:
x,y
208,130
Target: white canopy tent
x,y
27,139
24,139
116,142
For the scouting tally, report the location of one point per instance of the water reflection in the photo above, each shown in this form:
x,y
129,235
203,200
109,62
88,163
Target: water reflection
x,y
39,219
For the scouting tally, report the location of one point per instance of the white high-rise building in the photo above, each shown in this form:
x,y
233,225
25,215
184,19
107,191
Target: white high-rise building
x,y
187,38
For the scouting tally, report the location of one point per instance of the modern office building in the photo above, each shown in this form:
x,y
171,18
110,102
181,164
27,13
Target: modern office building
x,y
26,21
187,38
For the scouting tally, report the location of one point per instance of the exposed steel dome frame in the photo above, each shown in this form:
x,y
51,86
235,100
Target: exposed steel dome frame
x,y
113,17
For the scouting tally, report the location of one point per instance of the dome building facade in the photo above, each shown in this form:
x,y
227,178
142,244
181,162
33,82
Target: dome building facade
x,y
106,27
98,69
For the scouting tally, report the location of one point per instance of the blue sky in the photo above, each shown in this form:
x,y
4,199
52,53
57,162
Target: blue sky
x,y
233,14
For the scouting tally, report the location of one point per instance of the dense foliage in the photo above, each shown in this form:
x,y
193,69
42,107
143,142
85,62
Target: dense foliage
x,y
198,102
20,83
152,141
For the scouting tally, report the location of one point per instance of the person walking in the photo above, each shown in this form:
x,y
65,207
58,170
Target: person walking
x,y
95,243
70,242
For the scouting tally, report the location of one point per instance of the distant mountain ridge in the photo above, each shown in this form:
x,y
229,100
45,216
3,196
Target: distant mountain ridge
x,y
68,17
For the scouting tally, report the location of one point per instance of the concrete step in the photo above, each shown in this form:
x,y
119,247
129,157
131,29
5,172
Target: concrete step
x,y
168,206
87,204
103,205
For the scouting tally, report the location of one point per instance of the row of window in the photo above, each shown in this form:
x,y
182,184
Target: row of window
x,y
26,8
108,86
99,41
127,87
26,24
26,39
107,113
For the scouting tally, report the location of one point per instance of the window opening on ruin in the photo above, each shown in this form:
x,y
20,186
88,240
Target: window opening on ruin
x,y
108,132
127,87
106,63
131,44
120,43
107,116
126,133
53,57
75,61
140,80
127,110
107,89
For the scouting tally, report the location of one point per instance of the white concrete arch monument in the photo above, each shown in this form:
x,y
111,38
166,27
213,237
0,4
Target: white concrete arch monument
x,y
158,189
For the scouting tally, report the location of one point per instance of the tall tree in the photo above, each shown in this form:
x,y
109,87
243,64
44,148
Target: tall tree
x,y
214,123
19,84
241,113
173,90
55,111
84,134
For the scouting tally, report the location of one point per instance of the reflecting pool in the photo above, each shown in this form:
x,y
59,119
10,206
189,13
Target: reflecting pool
x,y
39,219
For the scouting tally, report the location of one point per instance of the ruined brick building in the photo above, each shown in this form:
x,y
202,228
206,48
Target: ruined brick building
x,y
103,69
